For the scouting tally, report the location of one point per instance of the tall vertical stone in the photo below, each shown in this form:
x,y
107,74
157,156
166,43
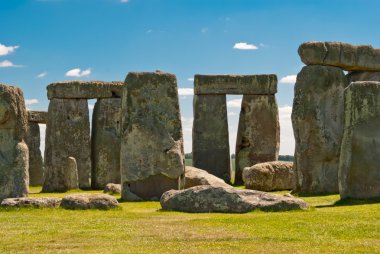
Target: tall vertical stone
x,y
152,157
359,171
14,177
105,142
211,150
35,158
317,120
67,135
258,137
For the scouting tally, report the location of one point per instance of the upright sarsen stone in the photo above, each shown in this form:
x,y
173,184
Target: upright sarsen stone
x,y
152,157
317,120
359,171
258,137
211,150
14,177
32,140
67,135
106,142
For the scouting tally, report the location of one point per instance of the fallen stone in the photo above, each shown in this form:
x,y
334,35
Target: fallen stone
x,y
37,116
269,176
112,188
235,84
84,90
31,202
359,172
207,199
258,136
14,153
32,140
89,201
317,119
195,177
346,56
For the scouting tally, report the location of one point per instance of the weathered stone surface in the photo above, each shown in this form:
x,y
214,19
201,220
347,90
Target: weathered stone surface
x,y
37,116
363,76
211,149
317,119
105,142
195,176
206,199
32,140
269,176
346,56
89,201
84,90
14,154
258,136
359,172
67,135
112,188
235,84
127,195
71,175
31,202
152,142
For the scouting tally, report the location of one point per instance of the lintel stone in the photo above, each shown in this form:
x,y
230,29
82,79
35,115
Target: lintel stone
x,y
37,116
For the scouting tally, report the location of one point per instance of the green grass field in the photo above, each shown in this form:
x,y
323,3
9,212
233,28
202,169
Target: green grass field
x,y
142,228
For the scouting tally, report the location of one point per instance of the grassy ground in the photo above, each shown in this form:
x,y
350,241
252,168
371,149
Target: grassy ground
x,y
142,228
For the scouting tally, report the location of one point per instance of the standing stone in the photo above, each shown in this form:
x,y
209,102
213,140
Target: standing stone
x,y
317,119
359,171
67,135
363,76
258,137
152,157
32,140
14,164
71,173
106,142
211,149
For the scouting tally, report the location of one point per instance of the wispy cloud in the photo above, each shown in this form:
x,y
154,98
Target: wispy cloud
x,y
235,103
42,74
6,50
185,91
78,73
31,101
245,46
6,63
190,79
124,1
290,79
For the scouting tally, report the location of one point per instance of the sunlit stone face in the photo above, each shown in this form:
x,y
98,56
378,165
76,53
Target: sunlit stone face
x,y
4,111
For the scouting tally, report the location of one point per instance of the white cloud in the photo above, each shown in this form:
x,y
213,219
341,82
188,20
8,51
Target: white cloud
x,y
42,74
185,91
190,79
287,142
232,114
244,46
31,101
91,106
235,103
6,50
290,79
78,73
42,138
7,63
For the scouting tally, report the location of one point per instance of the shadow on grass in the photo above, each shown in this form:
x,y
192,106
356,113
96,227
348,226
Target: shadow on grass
x,y
351,202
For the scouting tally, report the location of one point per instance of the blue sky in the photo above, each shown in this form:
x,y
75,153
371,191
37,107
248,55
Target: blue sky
x,y
42,41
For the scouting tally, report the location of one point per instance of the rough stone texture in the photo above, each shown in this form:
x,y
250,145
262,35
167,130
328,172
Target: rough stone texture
x,y
359,171
258,136
67,135
269,176
152,157
71,175
14,155
346,56
112,188
31,202
105,142
32,140
37,116
317,119
235,84
127,195
89,201
363,76
195,176
84,90
211,149
205,199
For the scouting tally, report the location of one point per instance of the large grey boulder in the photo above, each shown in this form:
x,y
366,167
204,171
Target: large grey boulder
x,y
67,135
31,202
359,171
105,142
89,201
269,176
112,188
346,56
211,149
14,153
32,140
206,199
152,156
258,136
195,176
317,120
